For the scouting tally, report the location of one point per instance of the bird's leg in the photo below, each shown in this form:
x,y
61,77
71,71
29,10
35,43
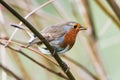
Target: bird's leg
x,y
63,63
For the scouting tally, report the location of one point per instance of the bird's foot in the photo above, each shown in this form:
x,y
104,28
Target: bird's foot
x,y
66,66
54,52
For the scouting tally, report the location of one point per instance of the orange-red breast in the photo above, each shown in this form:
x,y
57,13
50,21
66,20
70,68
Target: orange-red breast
x,y
60,36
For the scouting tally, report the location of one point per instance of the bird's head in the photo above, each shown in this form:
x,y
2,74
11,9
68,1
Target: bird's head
x,y
71,29
74,26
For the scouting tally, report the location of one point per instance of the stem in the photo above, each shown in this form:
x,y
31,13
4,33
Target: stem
x,y
38,63
115,7
9,71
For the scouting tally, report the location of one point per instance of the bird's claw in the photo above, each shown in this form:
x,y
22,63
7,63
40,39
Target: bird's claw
x,y
54,52
67,68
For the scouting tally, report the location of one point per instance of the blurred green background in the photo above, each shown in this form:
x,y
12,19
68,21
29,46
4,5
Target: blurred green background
x,y
107,31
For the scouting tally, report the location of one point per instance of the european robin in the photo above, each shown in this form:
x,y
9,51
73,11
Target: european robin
x,y
60,36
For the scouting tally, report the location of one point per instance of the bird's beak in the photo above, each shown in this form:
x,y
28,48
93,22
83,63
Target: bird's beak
x,y
83,28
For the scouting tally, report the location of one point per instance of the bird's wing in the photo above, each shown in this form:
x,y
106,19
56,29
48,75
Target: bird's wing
x,y
53,32
50,34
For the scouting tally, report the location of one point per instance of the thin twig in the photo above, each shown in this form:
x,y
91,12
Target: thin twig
x,y
105,27
108,12
91,43
29,14
32,49
93,53
89,18
36,51
38,63
42,14
60,10
9,71
3,57
51,49
81,66
20,64
115,7
75,10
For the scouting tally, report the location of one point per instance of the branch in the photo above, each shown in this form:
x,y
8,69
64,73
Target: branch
x,y
51,49
9,71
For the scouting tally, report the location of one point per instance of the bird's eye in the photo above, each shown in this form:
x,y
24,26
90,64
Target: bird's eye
x,y
75,26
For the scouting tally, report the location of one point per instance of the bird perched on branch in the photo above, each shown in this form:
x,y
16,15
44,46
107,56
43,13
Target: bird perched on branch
x,y
60,36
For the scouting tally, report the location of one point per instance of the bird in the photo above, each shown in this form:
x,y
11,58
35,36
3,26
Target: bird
x,y
60,36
